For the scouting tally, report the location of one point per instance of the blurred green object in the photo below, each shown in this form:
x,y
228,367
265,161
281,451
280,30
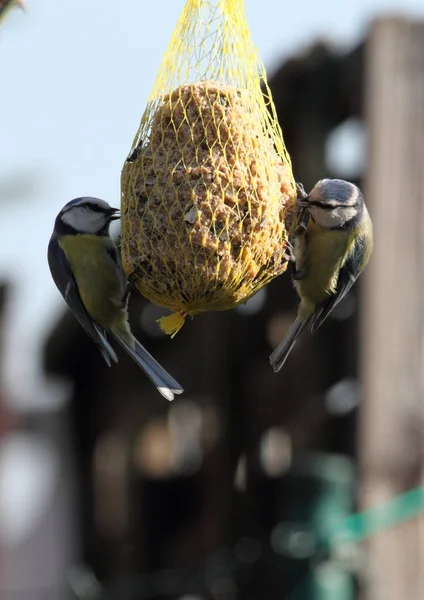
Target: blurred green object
x,y
318,492
362,525
6,5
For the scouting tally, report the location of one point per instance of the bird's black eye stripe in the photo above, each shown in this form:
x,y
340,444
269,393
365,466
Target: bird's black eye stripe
x,y
326,206
94,208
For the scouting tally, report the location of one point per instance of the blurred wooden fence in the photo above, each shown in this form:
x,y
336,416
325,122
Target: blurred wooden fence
x,y
391,441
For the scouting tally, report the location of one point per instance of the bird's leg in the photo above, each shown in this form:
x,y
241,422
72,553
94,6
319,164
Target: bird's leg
x,y
302,219
130,287
289,256
302,222
302,213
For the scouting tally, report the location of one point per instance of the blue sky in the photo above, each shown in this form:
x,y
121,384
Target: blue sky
x,y
75,76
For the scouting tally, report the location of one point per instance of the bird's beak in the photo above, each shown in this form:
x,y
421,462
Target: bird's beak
x,y
115,214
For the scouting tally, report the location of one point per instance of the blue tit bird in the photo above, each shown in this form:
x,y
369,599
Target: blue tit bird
x,y
86,268
331,248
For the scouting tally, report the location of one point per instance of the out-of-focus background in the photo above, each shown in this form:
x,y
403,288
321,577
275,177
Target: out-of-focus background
x,y
235,490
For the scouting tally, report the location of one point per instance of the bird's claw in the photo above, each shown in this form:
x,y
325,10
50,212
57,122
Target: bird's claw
x,y
289,253
301,194
130,287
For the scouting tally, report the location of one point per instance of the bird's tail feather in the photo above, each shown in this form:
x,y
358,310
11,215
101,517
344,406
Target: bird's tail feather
x,y
280,354
165,384
105,356
105,348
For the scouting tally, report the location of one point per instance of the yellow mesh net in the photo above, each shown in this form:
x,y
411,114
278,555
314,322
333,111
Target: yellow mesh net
x,y
208,185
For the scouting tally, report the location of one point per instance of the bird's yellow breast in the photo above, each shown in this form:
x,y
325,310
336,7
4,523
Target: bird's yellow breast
x,y
100,286
320,253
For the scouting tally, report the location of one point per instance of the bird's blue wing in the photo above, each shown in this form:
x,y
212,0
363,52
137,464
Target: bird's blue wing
x,y
347,277
66,284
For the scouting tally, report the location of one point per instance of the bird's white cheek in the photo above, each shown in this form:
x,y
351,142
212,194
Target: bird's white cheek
x,y
324,218
329,219
83,220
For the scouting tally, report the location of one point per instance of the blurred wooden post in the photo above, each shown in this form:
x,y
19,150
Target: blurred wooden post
x,y
391,441
3,415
